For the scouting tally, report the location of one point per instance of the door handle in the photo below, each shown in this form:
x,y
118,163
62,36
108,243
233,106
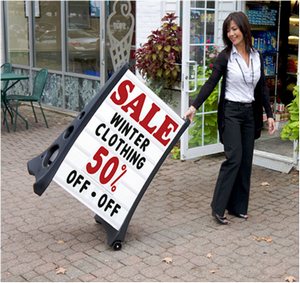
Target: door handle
x,y
195,67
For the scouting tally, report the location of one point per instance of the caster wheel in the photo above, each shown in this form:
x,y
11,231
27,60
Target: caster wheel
x,y
117,245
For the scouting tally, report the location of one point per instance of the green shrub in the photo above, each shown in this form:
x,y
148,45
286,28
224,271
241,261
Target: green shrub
x,y
290,131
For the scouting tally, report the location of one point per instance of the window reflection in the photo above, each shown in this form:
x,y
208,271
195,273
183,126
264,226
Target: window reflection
x,y
83,39
211,4
17,33
199,21
48,36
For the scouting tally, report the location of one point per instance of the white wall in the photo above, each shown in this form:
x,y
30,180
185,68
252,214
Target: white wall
x,y
149,14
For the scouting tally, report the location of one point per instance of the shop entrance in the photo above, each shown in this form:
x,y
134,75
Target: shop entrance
x,y
202,39
275,33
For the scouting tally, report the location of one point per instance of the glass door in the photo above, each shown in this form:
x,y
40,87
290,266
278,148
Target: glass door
x,y
199,51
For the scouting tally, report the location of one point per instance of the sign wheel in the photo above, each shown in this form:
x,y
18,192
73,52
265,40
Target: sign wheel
x,y
117,245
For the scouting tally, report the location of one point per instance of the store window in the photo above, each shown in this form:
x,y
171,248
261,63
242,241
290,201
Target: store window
x,y
120,34
83,37
48,35
17,35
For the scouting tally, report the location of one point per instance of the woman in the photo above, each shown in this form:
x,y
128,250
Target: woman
x,y
243,95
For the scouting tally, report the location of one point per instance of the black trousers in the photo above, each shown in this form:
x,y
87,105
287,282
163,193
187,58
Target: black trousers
x,y
233,183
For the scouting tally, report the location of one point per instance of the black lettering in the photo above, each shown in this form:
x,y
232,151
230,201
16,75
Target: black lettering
x,y
134,132
141,163
109,204
71,177
102,200
97,132
138,139
134,158
125,150
78,180
113,139
128,156
144,144
85,185
115,209
116,120
125,131
104,136
121,141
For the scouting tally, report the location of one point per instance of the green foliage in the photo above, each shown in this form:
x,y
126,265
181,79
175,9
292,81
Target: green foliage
x,y
291,130
205,128
175,152
158,60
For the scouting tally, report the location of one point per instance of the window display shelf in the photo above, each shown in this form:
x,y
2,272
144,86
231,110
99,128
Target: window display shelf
x,y
263,19
292,56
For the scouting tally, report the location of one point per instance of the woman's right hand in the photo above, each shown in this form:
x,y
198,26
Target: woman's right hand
x,y
190,113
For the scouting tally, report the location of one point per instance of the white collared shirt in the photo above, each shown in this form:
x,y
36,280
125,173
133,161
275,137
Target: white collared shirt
x,y
242,79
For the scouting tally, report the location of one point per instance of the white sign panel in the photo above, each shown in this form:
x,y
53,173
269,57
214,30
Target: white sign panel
x,y
115,153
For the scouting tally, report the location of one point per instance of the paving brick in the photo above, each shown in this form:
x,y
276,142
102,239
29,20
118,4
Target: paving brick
x,y
22,268
44,268
153,271
131,260
102,272
127,271
30,275
84,265
87,278
76,256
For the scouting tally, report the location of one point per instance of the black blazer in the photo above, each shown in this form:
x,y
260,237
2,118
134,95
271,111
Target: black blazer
x,y
261,93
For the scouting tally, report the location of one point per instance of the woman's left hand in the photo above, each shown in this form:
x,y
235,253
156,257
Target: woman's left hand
x,y
271,124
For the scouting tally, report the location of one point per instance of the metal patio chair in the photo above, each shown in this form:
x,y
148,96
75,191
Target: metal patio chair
x,y
5,68
35,96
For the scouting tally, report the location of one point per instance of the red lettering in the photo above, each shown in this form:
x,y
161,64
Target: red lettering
x,y
135,109
98,158
136,105
167,126
122,92
145,122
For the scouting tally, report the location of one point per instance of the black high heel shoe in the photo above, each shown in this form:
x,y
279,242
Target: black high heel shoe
x,y
220,219
239,215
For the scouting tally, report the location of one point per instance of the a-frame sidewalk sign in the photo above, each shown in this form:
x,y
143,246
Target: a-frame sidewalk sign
x,y
109,154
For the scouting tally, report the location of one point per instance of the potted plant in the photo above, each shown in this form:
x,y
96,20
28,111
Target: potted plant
x,y
158,60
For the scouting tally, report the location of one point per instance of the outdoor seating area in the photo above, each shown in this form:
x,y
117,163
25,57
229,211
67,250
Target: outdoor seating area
x,y
12,99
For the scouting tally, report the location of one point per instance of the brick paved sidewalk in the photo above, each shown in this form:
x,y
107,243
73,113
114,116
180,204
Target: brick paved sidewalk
x,y
55,238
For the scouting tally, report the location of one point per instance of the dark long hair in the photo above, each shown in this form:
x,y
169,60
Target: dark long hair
x,y
242,22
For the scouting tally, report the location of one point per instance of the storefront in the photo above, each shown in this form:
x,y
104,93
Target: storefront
x,y
83,42
202,39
